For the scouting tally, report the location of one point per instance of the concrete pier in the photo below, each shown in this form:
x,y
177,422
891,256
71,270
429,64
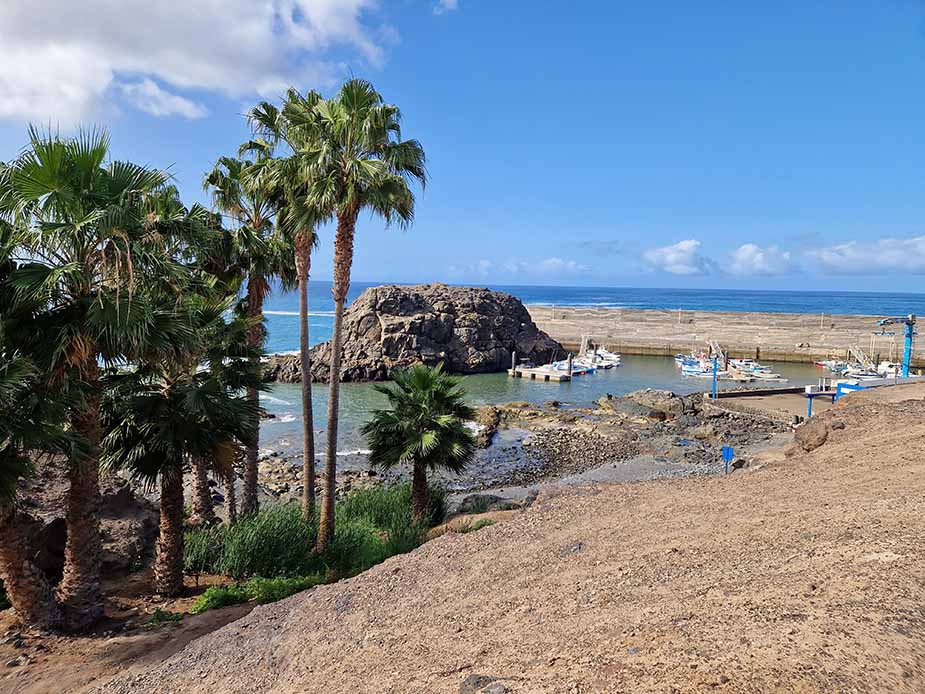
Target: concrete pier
x,y
791,337
539,374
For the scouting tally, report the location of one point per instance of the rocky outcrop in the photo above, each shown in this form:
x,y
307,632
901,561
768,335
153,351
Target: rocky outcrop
x,y
128,523
470,330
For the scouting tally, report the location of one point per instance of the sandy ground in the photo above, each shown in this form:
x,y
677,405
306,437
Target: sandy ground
x,y
797,575
126,640
788,404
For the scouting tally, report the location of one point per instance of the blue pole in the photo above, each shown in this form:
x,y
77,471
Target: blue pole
x,y
809,407
907,352
714,377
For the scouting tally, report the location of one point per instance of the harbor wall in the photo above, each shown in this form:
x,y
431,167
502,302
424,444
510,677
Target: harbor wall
x,y
788,337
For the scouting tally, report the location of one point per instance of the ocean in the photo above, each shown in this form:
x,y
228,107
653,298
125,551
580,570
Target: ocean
x,y
282,309
358,399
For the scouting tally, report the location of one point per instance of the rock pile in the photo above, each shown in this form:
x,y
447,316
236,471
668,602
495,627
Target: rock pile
x,y
470,330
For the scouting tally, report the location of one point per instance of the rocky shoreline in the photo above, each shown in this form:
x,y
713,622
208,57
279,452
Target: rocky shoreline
x,y
647,434
469,330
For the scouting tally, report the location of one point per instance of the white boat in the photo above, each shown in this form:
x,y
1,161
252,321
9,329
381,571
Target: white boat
x,y
889,369
608,356
577,370
859,373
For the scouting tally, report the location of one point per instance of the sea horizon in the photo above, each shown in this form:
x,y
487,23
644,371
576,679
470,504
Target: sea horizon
x,y
281,308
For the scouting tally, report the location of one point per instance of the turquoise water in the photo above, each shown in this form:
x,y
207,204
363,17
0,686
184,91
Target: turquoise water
x,y
358,399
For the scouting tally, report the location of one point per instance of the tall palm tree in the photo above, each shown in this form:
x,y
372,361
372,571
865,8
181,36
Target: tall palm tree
x,y
88,236
30,422
424,427
181,404
241,193
298,219
357,160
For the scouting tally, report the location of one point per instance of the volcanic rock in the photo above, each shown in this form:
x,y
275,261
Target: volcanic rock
x,y
470,330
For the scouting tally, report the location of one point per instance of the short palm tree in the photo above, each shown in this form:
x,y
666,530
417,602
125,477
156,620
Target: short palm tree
x,y
248,200
179,405
89,237
351,145
297,219
424,428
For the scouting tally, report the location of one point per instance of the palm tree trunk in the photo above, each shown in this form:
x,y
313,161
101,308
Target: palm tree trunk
x,y
79,592
26,586
256,290
303,268
203,513
419,492
343,260
231,506
168,565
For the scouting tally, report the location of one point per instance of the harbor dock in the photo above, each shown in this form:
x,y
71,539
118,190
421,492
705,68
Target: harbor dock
x,y
539,374
788,337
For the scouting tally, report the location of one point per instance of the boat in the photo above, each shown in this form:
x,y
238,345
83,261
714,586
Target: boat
x,y
577,370
889,369
833,365
859,373
608,356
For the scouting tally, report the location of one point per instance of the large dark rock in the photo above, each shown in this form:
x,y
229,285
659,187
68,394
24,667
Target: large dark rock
x,y
128,523
470,330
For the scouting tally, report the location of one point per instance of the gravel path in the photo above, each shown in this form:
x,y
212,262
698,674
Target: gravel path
x,y
804,575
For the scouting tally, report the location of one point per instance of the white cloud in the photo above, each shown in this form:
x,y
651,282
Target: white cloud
x,y
150,98
905,256
60,67
681,258
751,259
444,6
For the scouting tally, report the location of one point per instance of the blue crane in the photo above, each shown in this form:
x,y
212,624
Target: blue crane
x,y
909,322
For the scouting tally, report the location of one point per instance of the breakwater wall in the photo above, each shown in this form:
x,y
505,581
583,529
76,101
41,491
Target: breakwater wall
x,y
790,337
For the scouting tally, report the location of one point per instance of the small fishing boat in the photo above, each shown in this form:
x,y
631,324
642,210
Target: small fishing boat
x,y
577,370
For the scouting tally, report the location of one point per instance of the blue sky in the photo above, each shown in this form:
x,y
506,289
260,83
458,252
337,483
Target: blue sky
x,y
667,144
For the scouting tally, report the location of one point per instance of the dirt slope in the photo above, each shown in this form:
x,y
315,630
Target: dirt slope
x,y
803,576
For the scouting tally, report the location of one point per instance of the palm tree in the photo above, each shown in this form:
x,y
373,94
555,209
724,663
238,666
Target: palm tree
x,y
298,220
248,199
357,160
424,427
88,237
30,422
181,404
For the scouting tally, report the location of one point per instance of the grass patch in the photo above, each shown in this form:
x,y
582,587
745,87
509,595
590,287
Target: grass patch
x,y
164,617
478,525
261,590
271,553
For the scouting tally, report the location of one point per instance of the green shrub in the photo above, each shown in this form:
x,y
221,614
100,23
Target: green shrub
x,y
372,525
266,590
164,617
261,590
220,596
478,525
202,550
274,542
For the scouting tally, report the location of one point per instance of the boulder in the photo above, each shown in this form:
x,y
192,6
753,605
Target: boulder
x,y
128,522
811,435
470,330
660,400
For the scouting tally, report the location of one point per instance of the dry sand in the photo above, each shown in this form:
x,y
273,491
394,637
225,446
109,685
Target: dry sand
x,y
804,575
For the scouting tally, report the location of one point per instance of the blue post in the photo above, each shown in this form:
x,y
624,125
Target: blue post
x,y
714,377
728,455
809,406
907,352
